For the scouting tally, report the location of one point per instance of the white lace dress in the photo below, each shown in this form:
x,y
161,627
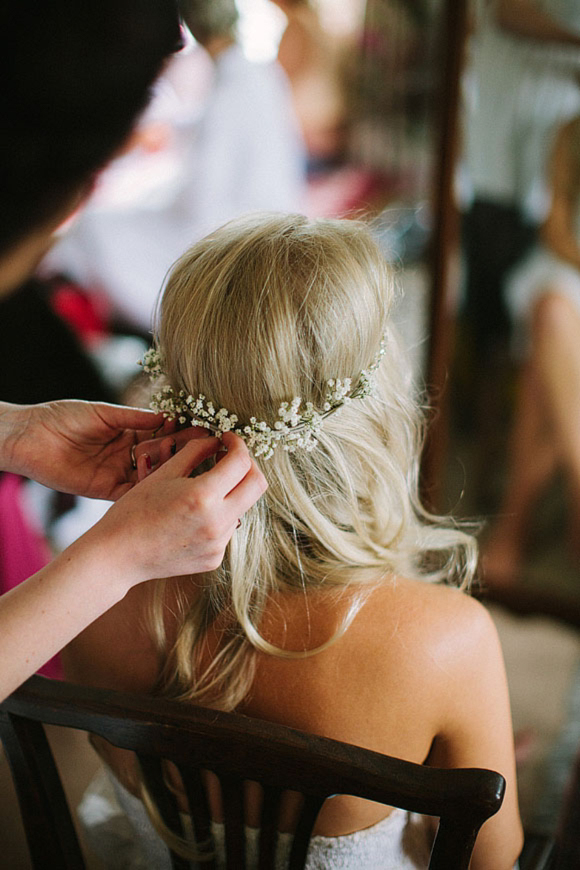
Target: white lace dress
x,y
120,833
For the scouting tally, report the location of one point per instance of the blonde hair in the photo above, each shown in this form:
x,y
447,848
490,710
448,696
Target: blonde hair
x,y
267,308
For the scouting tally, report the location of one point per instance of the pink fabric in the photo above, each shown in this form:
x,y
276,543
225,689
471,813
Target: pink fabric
x,y
348,190
23,550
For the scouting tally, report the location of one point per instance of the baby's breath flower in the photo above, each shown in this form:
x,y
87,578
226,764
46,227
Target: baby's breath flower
x,y
151,363
295,429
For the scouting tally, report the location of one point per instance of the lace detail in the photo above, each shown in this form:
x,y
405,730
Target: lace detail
x,y
122,836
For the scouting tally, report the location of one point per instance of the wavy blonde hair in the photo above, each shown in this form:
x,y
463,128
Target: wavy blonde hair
x,y
264,309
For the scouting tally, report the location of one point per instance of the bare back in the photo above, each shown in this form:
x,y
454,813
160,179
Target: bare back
x,y
418,674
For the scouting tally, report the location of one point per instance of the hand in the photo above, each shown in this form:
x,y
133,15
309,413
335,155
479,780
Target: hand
x,y
170,524
79,447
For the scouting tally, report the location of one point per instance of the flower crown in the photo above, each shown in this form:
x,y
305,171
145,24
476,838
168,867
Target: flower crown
x,y
297,427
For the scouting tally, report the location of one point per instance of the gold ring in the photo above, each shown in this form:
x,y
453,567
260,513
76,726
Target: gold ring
x,y
133,457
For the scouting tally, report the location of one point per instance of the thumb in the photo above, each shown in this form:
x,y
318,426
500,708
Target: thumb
x,y
122,417
189,457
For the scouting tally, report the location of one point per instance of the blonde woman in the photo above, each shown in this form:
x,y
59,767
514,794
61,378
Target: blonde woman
x,y
332,611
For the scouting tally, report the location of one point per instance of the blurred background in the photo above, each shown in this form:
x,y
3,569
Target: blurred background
x,y
454,128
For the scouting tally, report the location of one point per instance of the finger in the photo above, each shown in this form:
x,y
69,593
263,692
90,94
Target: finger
x,y
166,427
169,427
154,446
167,449
223,451
188,458
121,417
246,493
189,434
232,467
143,466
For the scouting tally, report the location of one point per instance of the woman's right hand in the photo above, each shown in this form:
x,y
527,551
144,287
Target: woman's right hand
x,y
170,524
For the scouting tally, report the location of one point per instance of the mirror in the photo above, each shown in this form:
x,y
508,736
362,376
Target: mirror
x,y
511,427
361,91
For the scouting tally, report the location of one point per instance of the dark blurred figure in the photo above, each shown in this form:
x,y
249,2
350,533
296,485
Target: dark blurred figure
x,y
75,76
524,56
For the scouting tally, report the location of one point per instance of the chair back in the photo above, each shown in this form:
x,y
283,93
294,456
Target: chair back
x,y
237,749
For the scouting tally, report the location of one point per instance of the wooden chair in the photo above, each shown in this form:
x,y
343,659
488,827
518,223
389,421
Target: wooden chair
x,y
236,748
539,853
565,845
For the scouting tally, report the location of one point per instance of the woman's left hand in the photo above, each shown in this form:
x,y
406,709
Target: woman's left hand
x,y
84,448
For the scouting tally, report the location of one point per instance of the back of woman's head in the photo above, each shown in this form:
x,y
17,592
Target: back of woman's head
x,y
270,308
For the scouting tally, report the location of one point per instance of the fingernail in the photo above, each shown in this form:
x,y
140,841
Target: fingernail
x,y
173,449
148,461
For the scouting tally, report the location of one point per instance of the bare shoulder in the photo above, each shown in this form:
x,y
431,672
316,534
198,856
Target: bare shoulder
x,y
115,651
430,618
426,644
453,645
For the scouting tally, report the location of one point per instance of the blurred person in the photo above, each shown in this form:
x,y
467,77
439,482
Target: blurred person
x,y
524,57
312,60
243,154
543,296
75,76
248,154
333,611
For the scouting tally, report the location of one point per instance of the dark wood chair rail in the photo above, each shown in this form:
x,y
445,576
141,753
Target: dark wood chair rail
x,y
236,748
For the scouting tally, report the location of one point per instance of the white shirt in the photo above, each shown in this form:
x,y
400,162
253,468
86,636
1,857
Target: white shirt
x,y
520,91
244,155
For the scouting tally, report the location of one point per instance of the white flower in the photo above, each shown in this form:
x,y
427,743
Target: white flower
x,y
152,364
294,429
